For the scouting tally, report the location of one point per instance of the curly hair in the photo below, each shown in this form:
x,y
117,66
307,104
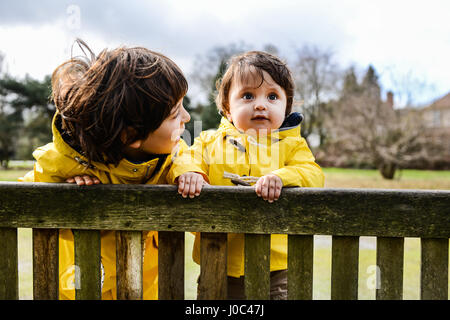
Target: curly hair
x,y
99,96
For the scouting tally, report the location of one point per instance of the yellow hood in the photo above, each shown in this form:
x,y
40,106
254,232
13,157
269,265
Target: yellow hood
x,y
57,161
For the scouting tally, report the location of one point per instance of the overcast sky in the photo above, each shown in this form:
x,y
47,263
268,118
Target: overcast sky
x,y
396,37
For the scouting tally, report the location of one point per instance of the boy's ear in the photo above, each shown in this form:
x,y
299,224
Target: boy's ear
x,y
126,133
136,144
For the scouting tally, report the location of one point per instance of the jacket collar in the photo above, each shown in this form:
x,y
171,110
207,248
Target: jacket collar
x,y
290,127
64,148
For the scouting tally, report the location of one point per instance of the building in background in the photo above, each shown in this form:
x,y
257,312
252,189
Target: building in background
x,y
437,122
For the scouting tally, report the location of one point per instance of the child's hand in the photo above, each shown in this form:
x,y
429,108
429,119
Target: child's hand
x,y
190,183
269,187
84,180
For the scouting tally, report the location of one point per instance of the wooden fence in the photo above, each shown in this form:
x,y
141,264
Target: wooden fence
x,y
346,214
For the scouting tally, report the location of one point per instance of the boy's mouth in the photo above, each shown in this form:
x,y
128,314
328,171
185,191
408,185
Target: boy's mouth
x,y
260,118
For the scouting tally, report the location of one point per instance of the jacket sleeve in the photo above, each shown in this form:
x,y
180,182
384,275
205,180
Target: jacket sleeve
x,y
51,166
192,159
300,169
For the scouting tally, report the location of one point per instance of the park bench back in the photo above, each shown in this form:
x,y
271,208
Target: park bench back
x,y
301,213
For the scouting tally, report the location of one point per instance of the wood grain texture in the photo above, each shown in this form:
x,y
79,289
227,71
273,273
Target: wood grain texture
x,y
9,276
344,268
390,263
45,264
213,267
347,212
170,265
129,265
434,269
257,266
87,265
300,267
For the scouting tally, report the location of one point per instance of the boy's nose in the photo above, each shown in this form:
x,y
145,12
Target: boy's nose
x,y
186,116
260,105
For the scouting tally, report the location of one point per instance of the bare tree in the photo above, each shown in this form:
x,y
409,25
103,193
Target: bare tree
x,y
366,129
206,65
409,87
317,77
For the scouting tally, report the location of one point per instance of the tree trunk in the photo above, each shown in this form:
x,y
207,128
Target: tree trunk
x,y
387,170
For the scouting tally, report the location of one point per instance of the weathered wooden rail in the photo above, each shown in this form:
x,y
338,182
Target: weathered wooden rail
x,y
346,214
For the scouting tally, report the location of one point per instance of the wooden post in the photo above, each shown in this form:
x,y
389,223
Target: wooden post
x,y
9,277
257,266
213,266
344,268
170,265
87,265
45,264
390,263
434,269
129,265
300,267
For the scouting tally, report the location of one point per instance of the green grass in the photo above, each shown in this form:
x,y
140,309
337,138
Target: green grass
x,y
336,178
400,174
404,179
12,174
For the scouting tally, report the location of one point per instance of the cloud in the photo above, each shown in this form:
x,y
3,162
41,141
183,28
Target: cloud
x,y
405,34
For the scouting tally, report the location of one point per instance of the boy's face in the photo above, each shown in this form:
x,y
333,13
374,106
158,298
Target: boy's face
x,y
257,107
166,137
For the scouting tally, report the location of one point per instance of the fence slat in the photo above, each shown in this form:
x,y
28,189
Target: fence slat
x,y
170,265
434,269
344,268
129,265
390,264
9,277
87,265
213,266
300,267
257,266
45,264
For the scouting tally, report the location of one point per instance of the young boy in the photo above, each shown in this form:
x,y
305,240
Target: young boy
x,y
119,118
258,141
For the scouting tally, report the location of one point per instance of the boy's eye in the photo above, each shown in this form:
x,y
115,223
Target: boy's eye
x,y
247,96
272,96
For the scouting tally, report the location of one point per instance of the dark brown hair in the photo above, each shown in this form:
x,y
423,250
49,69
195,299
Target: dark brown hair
x,y
240,68
100,96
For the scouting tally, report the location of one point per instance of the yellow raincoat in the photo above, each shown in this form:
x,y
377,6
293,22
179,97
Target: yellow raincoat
x,y
220,154
57,161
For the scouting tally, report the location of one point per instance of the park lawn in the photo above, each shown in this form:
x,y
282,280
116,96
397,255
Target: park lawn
x,y
335,178
12,175
404,179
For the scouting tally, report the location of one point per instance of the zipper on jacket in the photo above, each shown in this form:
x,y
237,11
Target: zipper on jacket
x,y
146,173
